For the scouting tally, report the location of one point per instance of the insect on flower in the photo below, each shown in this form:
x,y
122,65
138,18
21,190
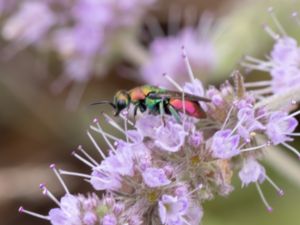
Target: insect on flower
x,y
157,101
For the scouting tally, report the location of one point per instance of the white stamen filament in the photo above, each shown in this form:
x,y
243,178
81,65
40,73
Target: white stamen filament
x,y
255,60
257,84
184,220
50,195
172,81
238,125
293,114
105,133
22,210
291,148
254,148
255,67
128,120
227,117
96,145
275,20
264,200
272,34
64,172
105,137
278,189
200,186
87,155
293,134
60,178
83,160
188,65
113,123
126,129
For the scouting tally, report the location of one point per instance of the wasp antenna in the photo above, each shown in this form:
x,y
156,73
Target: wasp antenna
x,y
104,102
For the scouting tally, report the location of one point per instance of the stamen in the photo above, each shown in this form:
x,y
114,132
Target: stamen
x,y
96,145
227,117
291,148
126,127
293,114
188,65
237,125
257,84
293,134
64,172
254,148
254,60
53,167
22,210
184,220
128,120
49,194
83,160
278,189
87,155
275,20
113,123
269,31
104,135
295,15
172,81
200,186
255,67
264,200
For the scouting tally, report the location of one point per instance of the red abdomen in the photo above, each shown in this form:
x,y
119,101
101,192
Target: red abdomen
x,y
191,108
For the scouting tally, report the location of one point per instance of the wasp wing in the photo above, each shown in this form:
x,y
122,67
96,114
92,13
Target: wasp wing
x,y
177,95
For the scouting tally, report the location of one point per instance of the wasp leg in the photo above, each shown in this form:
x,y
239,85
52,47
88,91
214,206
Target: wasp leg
x,y
136,107
174,113
162,112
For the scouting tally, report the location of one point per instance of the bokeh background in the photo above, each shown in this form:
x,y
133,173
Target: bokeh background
x,y
38,127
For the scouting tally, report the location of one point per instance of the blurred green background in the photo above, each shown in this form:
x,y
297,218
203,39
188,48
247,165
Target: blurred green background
x,y
37,129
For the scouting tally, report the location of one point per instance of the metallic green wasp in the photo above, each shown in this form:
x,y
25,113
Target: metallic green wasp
x,y
157,101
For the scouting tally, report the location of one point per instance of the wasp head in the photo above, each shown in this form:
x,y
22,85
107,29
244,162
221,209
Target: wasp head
x,y
121,101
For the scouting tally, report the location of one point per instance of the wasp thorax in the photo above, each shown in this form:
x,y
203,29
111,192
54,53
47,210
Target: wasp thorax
x,y
121,101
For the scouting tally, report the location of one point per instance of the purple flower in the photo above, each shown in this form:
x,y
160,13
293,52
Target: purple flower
x,y
89,218
172,209
248,123
68,213
109,220
225,144
148,124
30,23
155,177
279,126
286,51
105,180
120,163
170,137
252,171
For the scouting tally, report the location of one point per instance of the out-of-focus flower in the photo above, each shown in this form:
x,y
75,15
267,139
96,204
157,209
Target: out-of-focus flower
x,y
252,171
165,57
30,23
87,35
282,64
